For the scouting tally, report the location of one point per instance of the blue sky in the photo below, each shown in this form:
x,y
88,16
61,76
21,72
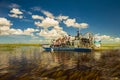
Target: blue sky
x,y
23,21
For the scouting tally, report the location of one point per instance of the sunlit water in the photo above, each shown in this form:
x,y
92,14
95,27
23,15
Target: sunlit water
x,y
15,63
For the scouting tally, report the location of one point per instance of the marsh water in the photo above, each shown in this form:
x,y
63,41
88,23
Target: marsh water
x,y
33,63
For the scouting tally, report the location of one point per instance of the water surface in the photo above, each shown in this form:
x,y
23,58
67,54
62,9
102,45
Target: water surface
x,y
32,63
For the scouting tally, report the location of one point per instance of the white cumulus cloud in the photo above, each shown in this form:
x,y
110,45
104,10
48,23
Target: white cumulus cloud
x,y
56,32
73,23
28,31
5,29
48,14
52,34
15,16
16,13
117,39
83,25
37,17
108,39
58,28
60,17
15,31
105,37
47,22
4,24
69,22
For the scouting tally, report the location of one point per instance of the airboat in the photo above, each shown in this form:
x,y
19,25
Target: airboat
x,y
80,43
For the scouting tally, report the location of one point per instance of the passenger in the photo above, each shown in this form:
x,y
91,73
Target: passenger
x,y
72,43
52,45
63,41
68,40
72,40
58,42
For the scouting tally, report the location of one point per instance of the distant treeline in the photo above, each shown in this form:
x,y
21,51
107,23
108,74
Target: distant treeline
x,y
111,45
14,45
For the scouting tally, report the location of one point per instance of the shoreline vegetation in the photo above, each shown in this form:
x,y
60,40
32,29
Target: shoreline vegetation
x,y
103,46
10,47
108,47
19,44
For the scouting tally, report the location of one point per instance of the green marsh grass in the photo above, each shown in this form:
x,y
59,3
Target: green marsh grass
x,y
15,45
